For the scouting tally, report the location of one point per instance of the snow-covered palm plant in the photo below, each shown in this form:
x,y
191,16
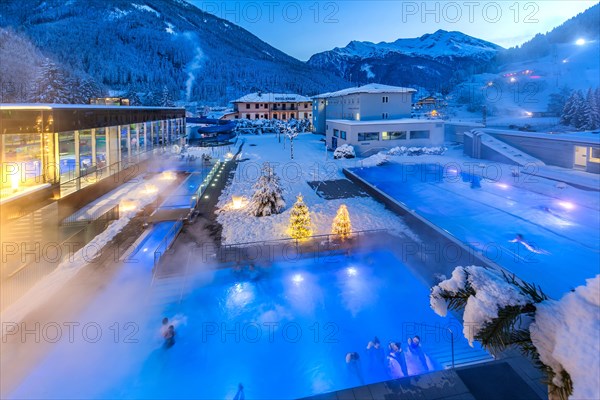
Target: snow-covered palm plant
x,y
501,311
268,194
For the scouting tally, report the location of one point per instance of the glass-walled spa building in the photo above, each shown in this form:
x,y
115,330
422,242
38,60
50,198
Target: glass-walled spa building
x,y
68,147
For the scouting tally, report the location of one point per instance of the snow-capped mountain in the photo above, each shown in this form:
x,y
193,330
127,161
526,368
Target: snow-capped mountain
x,y
151,47
432,58
439,44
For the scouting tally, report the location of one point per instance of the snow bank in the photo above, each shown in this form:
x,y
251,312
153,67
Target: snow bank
x,y
566,334
374,160
492,293
416,151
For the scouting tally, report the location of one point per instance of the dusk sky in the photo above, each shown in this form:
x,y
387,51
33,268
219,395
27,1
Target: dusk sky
x,y
302,28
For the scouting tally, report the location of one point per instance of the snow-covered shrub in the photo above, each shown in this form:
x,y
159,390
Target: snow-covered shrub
x,y
260,126
375,160
344,151
416,151
562,337
268,194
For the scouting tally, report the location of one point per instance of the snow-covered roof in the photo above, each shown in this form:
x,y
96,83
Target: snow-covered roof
x,y
580,137
272,97
370,88
387,121
45,106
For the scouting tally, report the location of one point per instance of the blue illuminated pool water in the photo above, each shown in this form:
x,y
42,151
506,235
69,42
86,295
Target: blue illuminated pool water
x,y
283,336
487,215
286,334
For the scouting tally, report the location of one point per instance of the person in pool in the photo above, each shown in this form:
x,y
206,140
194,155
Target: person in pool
x,y
353,366
396,361
169,337
414,346
240,393
376,357
164,327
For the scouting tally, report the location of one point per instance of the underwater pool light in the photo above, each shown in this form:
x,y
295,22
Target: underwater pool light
x,y
566,205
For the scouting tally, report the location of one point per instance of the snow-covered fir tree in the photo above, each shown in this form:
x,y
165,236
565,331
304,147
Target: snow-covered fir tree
x,y
86,89
592,115
582,112
300,224
52,85
166,98
341,223
268,194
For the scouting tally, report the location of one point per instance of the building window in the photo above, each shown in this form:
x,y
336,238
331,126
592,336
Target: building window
x,y
256,116
385,99
595,154
384,115
419,134
247,116
367,136
336,133
283,116
256,105
292,115
274,116
343,134
399,135
247,106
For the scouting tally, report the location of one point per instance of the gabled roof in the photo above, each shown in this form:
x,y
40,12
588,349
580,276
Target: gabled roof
x,y
370,88
272,97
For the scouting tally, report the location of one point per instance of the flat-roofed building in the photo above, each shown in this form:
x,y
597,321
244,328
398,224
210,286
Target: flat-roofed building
x,y
364,103
53,150
369,137
280,106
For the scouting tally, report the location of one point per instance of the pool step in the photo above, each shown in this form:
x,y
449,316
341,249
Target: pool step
x,y
463,355
166,290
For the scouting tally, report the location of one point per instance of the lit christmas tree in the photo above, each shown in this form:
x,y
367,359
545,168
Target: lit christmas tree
x,y
300,220
341,223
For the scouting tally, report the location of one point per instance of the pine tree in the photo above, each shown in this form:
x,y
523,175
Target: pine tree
x,y
300,225
268,194
52,85
87,89
166,99
578,118
341,223
592,115
567,111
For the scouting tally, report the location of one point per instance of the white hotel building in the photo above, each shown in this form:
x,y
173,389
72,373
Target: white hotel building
x,y
372,118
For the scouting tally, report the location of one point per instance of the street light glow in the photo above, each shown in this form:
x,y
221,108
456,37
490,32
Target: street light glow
x,y
580,42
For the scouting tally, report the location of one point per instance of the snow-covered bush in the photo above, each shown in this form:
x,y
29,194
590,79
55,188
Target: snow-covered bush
x,y
375,160
416,151
344,151
268,194
260,126
562,337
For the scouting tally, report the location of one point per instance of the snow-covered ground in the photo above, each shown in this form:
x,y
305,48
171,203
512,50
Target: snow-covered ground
x,y
309,164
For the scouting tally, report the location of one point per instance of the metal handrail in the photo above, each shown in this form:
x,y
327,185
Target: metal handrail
x,y
299,241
